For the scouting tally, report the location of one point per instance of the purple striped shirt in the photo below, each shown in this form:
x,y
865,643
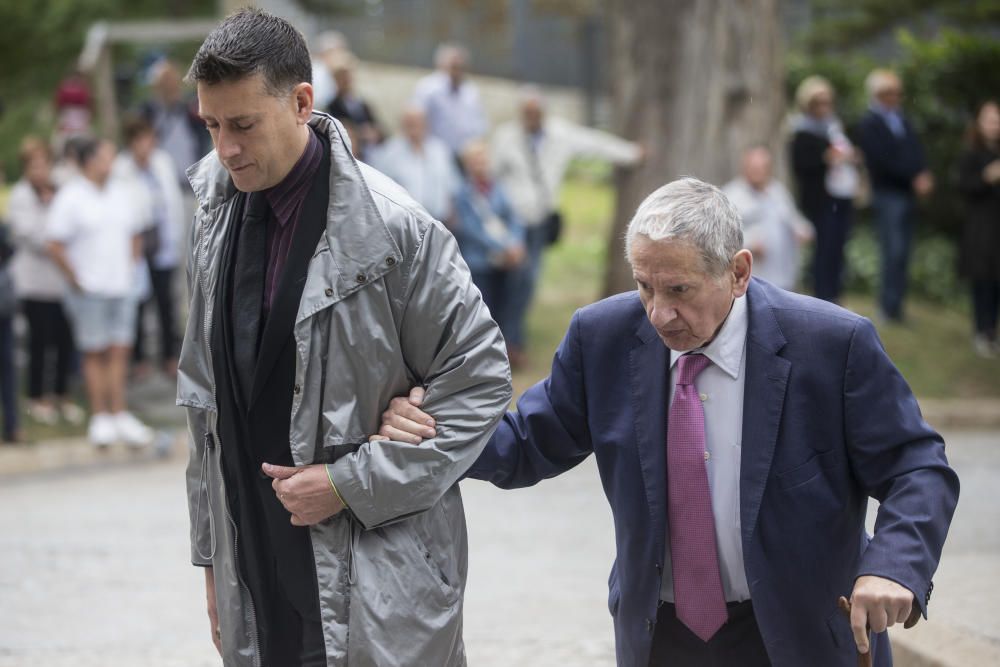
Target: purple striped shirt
x,y
285,200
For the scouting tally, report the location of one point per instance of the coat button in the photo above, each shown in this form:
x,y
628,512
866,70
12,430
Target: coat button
x,y
391,261
328,291
360,278
650,625
296,389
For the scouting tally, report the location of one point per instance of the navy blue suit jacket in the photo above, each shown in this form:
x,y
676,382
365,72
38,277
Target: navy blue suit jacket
x,y
828,423
893,162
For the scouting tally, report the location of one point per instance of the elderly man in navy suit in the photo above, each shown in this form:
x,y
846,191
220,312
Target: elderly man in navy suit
x,y
739,432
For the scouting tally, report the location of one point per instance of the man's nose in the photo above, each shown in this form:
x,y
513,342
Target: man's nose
x,y
662,314
227,146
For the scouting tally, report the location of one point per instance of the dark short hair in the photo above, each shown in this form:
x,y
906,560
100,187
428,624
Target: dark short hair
x,y
85,148
252,41
135,126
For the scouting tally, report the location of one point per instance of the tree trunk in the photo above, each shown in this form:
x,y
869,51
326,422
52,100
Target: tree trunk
x,y
695,82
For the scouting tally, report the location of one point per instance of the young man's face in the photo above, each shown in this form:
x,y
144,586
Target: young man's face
x,y
258,136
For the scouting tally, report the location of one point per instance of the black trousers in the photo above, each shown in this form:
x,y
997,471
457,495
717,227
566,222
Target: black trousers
x,y
50,345
163,296
737,644
985,306
832,230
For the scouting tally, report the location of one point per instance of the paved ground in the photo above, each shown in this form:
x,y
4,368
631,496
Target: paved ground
x,y
94,569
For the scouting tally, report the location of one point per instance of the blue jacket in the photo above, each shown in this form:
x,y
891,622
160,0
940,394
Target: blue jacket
x,y
828,423
473,240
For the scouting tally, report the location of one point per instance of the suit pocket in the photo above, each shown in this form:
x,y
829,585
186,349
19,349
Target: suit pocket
x,y
804,473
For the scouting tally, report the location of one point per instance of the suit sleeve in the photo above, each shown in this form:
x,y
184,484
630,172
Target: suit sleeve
x,y
900,461
454,348
548,434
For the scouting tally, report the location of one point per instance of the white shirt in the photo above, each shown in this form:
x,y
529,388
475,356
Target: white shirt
x,y
97,226
771,220
721,387
559,141
35,275
429,175
453,116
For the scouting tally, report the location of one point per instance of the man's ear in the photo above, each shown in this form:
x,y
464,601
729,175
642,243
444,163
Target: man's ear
x,y
302,95
741,266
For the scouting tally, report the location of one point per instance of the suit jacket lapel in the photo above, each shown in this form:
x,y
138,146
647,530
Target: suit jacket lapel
x,y
764,397
649,371
281,321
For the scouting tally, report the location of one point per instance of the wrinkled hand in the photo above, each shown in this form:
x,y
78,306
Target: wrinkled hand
x,y
305,492
879,603
403,421
514,255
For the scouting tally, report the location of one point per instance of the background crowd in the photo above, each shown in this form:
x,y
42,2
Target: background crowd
x,y
96,233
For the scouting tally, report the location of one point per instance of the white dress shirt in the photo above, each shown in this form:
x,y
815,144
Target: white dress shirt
x,y
429,175
720,387
455,116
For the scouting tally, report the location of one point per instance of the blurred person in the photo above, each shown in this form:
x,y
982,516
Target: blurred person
x,y
773,228
491,238
739,431
347,105
8,369
979,182
422,164
330,46
530,159
898,172
67,166
319,289
151,172
41,288
451,102
94,237
824,164
172,114
74,107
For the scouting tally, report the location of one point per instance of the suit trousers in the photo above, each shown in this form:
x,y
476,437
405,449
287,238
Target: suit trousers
x,y
737,644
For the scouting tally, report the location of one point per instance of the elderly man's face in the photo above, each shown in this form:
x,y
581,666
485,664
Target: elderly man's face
x,y
258,136
414,126
891,94
683,301
757,168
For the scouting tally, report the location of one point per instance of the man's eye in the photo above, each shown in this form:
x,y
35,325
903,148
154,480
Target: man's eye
x,y
643,286
679,289
243,128
212,126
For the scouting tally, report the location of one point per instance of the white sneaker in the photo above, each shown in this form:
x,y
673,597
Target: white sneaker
x,y
101,431
984,347
131,431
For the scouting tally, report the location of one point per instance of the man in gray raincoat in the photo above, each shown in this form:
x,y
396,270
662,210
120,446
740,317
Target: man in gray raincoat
x,y
320,290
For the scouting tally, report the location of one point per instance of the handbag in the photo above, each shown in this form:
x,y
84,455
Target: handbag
x,y
553,224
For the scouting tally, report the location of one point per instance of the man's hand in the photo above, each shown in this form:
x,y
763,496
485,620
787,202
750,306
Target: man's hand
x,y
305,492
879,603
991,173
923,184
213,610
405,422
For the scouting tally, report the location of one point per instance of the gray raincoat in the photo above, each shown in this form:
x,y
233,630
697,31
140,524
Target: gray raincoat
x,y
388,303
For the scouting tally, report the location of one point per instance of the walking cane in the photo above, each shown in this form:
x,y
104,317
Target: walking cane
x,y
865,659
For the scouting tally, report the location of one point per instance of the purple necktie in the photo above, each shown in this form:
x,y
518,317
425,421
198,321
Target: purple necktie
x,y
698,597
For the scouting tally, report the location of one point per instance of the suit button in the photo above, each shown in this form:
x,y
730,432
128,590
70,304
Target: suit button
x,y
391,261
297,389
328,291
650,625
360,278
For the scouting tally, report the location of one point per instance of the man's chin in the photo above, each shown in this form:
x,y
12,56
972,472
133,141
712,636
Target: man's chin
x,y
679,342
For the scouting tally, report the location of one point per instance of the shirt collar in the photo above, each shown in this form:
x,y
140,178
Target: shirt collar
x,y
285,197
727,348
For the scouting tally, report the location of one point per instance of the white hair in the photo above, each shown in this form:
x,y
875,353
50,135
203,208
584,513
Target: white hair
x,y
880,79
692,211
529,92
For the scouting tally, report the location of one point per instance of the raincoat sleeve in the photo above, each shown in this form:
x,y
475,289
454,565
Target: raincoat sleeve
x,y
454,348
